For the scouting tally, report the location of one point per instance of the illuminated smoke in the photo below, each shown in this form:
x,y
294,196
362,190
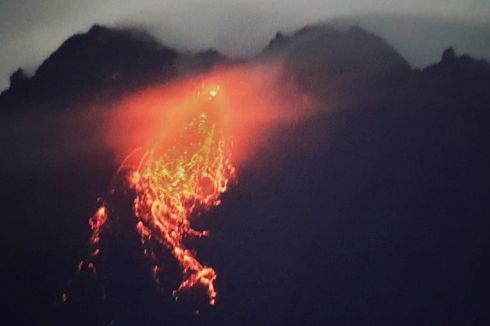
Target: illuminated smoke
x,y
189,137
189,171
172,183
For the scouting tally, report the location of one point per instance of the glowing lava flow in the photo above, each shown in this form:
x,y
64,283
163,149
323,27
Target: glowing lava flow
x,y
191,174
174,179
182,164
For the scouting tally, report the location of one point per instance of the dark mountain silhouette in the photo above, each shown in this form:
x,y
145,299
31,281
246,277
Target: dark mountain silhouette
x,y
422,37
340,66
101,65
375,212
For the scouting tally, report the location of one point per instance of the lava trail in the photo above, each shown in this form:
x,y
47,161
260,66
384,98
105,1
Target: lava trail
x,y
183,173
186,140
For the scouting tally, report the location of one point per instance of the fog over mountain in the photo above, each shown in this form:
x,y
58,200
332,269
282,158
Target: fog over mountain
x,y
30,30
421,38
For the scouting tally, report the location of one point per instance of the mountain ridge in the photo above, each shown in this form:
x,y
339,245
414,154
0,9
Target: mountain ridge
x,y
345,67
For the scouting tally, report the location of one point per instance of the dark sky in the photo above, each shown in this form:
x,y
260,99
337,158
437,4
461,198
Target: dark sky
x,y
30,29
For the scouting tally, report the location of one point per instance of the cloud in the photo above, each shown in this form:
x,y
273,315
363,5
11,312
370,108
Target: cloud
x,y
30,30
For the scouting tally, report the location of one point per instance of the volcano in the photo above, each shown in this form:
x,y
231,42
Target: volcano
x,y
355,190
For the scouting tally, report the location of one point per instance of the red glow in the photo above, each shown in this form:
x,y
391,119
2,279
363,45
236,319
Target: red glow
x,y
184,142
255,99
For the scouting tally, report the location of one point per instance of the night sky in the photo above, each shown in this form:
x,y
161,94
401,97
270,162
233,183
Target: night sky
x,y
30,30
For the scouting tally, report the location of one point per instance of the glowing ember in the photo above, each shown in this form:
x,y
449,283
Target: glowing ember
x,y
174,179
180,142
172,183
96,223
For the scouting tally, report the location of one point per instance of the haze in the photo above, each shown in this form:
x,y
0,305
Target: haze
x,y
30,30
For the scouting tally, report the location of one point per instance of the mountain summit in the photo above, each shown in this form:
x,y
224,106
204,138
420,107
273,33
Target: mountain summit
x,y
100,64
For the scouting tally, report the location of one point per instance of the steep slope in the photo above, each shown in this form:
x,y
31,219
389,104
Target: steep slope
x,y
343,67
99,65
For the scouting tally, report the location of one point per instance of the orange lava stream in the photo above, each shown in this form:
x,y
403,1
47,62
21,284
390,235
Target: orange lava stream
x,y
171,185
174,180
182,162
96,222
